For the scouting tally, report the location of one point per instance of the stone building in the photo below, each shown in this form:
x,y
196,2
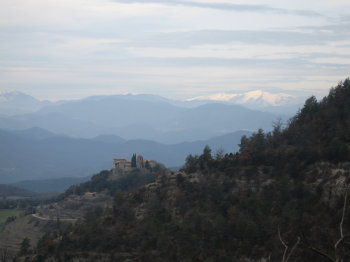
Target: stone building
x,y
122,166
139,161
122,163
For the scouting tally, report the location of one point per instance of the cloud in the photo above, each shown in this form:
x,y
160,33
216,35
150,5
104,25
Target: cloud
x,y
289,61
227,7
257,37
170,47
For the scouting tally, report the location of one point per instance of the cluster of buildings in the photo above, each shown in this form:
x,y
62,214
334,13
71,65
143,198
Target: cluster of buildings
x,y
123,165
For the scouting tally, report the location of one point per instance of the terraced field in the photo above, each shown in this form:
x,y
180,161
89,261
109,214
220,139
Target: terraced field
x,y
13,234
6,213
34,226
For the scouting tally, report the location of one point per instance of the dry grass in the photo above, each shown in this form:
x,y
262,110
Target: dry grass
x,y
6,213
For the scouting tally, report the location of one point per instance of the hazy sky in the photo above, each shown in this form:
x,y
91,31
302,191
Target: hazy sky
x,y
63,49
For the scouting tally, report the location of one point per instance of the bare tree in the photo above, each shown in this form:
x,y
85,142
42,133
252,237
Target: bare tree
x,y
286,255
219,154
278,125
4,254
341,239
336,257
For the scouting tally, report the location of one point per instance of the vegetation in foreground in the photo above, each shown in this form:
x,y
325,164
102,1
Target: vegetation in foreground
x,y
283,197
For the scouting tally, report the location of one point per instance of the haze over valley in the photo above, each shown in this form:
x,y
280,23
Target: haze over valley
x,y
50,140
140,117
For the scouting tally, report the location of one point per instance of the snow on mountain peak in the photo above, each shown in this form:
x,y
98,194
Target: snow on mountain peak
x,y
256,97
6,96
215,97
15,102
266,98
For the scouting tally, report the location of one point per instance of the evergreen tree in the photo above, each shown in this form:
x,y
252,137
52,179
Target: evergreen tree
x,y
147,165
133,160
25,245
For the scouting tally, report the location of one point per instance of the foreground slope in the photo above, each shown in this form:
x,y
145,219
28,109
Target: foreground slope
x,y
282,197
66,209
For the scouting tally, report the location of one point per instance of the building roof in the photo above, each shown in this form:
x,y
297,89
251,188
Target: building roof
x,y
120,159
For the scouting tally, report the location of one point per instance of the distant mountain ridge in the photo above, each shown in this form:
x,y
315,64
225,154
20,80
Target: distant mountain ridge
x,y
141,117
27,156
9,190
14,103
56,185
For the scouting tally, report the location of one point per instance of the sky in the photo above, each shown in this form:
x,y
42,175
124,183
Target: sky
x,y
64,49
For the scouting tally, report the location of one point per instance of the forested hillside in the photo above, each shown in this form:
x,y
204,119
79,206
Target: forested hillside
x,y
7,190
282,197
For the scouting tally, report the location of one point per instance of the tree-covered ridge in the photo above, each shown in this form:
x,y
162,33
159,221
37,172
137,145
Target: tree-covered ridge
x,y
222,216
101,183
282,197
105,181
318,132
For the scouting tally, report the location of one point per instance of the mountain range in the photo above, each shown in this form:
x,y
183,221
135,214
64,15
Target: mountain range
x,y
14,103
147,117
9,190
50,140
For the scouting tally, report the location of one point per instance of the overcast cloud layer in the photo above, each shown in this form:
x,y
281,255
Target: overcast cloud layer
x,y
63,49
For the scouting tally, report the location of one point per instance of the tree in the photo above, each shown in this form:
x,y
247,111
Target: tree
x,y
286,255
191,164
147,165
206,155
133,160
205,158
336,256
4,254
220,153
25,245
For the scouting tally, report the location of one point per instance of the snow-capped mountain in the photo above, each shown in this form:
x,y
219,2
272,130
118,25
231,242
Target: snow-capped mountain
x,y
257,99
12,103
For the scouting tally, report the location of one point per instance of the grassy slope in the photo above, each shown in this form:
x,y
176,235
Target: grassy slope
x,y
13,233
6,213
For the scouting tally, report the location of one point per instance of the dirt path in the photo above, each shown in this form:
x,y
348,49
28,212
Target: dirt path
x,y
54,219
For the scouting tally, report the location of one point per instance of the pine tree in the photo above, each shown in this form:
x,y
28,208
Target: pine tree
x,y
133,160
